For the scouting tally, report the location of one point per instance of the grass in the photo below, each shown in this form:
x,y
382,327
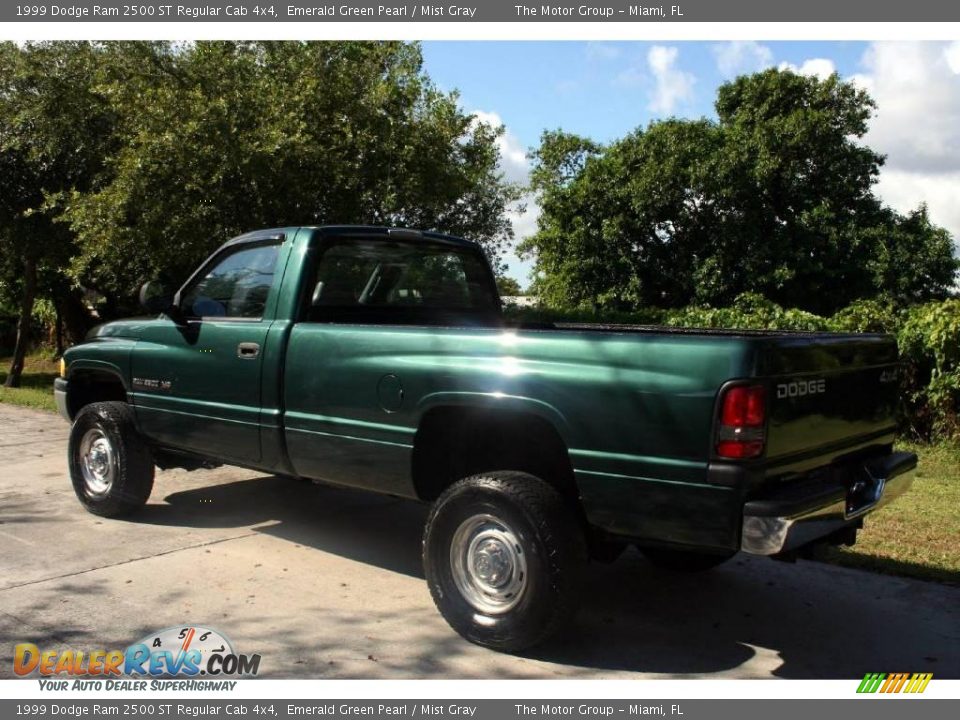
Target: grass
x,y
36,383
917,536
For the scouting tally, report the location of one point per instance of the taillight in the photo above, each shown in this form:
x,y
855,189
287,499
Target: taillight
x,y
743,416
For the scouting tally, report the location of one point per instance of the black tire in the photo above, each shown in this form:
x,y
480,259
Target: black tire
x,y
683,560
550,545
128,460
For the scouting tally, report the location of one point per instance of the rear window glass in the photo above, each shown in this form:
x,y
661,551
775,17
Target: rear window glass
x,y
357,276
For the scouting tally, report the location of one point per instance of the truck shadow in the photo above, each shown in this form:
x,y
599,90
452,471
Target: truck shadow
x,y
749,618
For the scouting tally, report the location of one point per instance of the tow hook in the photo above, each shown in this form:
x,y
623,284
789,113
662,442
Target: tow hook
x,y
846,536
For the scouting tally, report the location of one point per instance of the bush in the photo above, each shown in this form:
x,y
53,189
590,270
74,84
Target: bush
x,y
750,312
866,316
928,336
929,340
540,314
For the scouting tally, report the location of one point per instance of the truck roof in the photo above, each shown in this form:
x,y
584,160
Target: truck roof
x,y
359,230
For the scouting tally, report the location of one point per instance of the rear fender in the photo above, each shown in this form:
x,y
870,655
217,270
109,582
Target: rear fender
x,y
500,402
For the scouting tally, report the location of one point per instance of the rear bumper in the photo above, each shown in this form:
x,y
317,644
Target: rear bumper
x,y
803,514
60,398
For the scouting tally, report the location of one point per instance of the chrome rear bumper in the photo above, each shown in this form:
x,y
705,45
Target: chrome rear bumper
x,y
773,526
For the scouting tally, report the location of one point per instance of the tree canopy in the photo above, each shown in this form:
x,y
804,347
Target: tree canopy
x,y
120,162
55,131
508,287
775,197
218,138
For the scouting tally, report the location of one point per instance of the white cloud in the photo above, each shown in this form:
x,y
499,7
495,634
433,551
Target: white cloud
x,y
513,156
741,57
817,67
952,56
602,51
904,191
525,224
916,125
516,168
917,120
673,86
631,76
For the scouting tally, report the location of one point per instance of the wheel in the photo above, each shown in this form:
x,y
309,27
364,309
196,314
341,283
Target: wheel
x,y
683,560
503,555
110,465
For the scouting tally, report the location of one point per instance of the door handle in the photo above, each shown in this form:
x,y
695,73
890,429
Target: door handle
x,y
248,350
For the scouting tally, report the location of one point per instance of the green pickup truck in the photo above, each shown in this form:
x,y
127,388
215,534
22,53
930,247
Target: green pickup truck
x,y
379,359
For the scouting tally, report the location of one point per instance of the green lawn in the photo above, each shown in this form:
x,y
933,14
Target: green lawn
x,y
916,536
36,383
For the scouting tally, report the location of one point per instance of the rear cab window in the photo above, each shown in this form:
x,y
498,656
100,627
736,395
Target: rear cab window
x,y
384,280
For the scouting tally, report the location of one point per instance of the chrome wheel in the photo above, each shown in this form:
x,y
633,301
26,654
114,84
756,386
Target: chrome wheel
x,y
98,463
488,564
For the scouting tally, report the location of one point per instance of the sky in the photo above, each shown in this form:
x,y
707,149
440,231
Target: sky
x,y
603,90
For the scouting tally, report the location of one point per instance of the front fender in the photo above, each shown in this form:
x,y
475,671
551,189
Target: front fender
x,y
114,369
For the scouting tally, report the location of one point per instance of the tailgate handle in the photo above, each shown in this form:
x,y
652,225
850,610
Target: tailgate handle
x,y
248,350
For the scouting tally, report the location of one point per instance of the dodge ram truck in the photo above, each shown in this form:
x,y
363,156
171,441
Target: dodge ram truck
x,y
379,358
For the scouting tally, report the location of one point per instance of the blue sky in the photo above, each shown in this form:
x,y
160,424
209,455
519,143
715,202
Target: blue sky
x,y
594,89
603,90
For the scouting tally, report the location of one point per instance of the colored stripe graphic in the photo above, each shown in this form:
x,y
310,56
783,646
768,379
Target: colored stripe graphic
x,y
894,682
921,682
871,681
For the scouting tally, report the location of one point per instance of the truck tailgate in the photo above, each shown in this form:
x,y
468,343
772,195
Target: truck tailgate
x,y
827,392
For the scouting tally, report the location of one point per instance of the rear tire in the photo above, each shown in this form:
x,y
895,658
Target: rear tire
x,y
683,560
110,464
503,557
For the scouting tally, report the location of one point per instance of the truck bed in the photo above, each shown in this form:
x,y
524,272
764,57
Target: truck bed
x,y
699,331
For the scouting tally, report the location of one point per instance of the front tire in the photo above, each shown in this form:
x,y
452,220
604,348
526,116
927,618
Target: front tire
x,y
503,555
111,467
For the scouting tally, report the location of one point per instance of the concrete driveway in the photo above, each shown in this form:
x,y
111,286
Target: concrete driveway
x,y
326,582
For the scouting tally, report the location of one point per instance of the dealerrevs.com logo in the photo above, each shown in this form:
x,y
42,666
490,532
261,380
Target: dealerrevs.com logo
x,y
176,652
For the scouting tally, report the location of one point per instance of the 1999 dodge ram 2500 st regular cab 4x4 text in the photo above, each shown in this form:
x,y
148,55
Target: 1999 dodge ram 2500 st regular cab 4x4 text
x,y
378,358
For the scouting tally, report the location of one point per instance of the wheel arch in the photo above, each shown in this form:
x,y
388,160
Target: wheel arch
x,y
93,381
462,434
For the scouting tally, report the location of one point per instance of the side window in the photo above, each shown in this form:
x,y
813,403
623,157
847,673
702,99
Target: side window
x,y
363,278
236,286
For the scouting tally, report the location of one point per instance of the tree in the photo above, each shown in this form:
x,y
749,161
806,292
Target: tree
x,y
54,131
125,161
217,138
774,197
508,287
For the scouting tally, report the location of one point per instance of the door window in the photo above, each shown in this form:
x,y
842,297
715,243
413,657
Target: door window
x,y
235,286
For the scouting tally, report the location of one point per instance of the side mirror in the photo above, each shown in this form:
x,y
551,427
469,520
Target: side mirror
x,y
156,298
